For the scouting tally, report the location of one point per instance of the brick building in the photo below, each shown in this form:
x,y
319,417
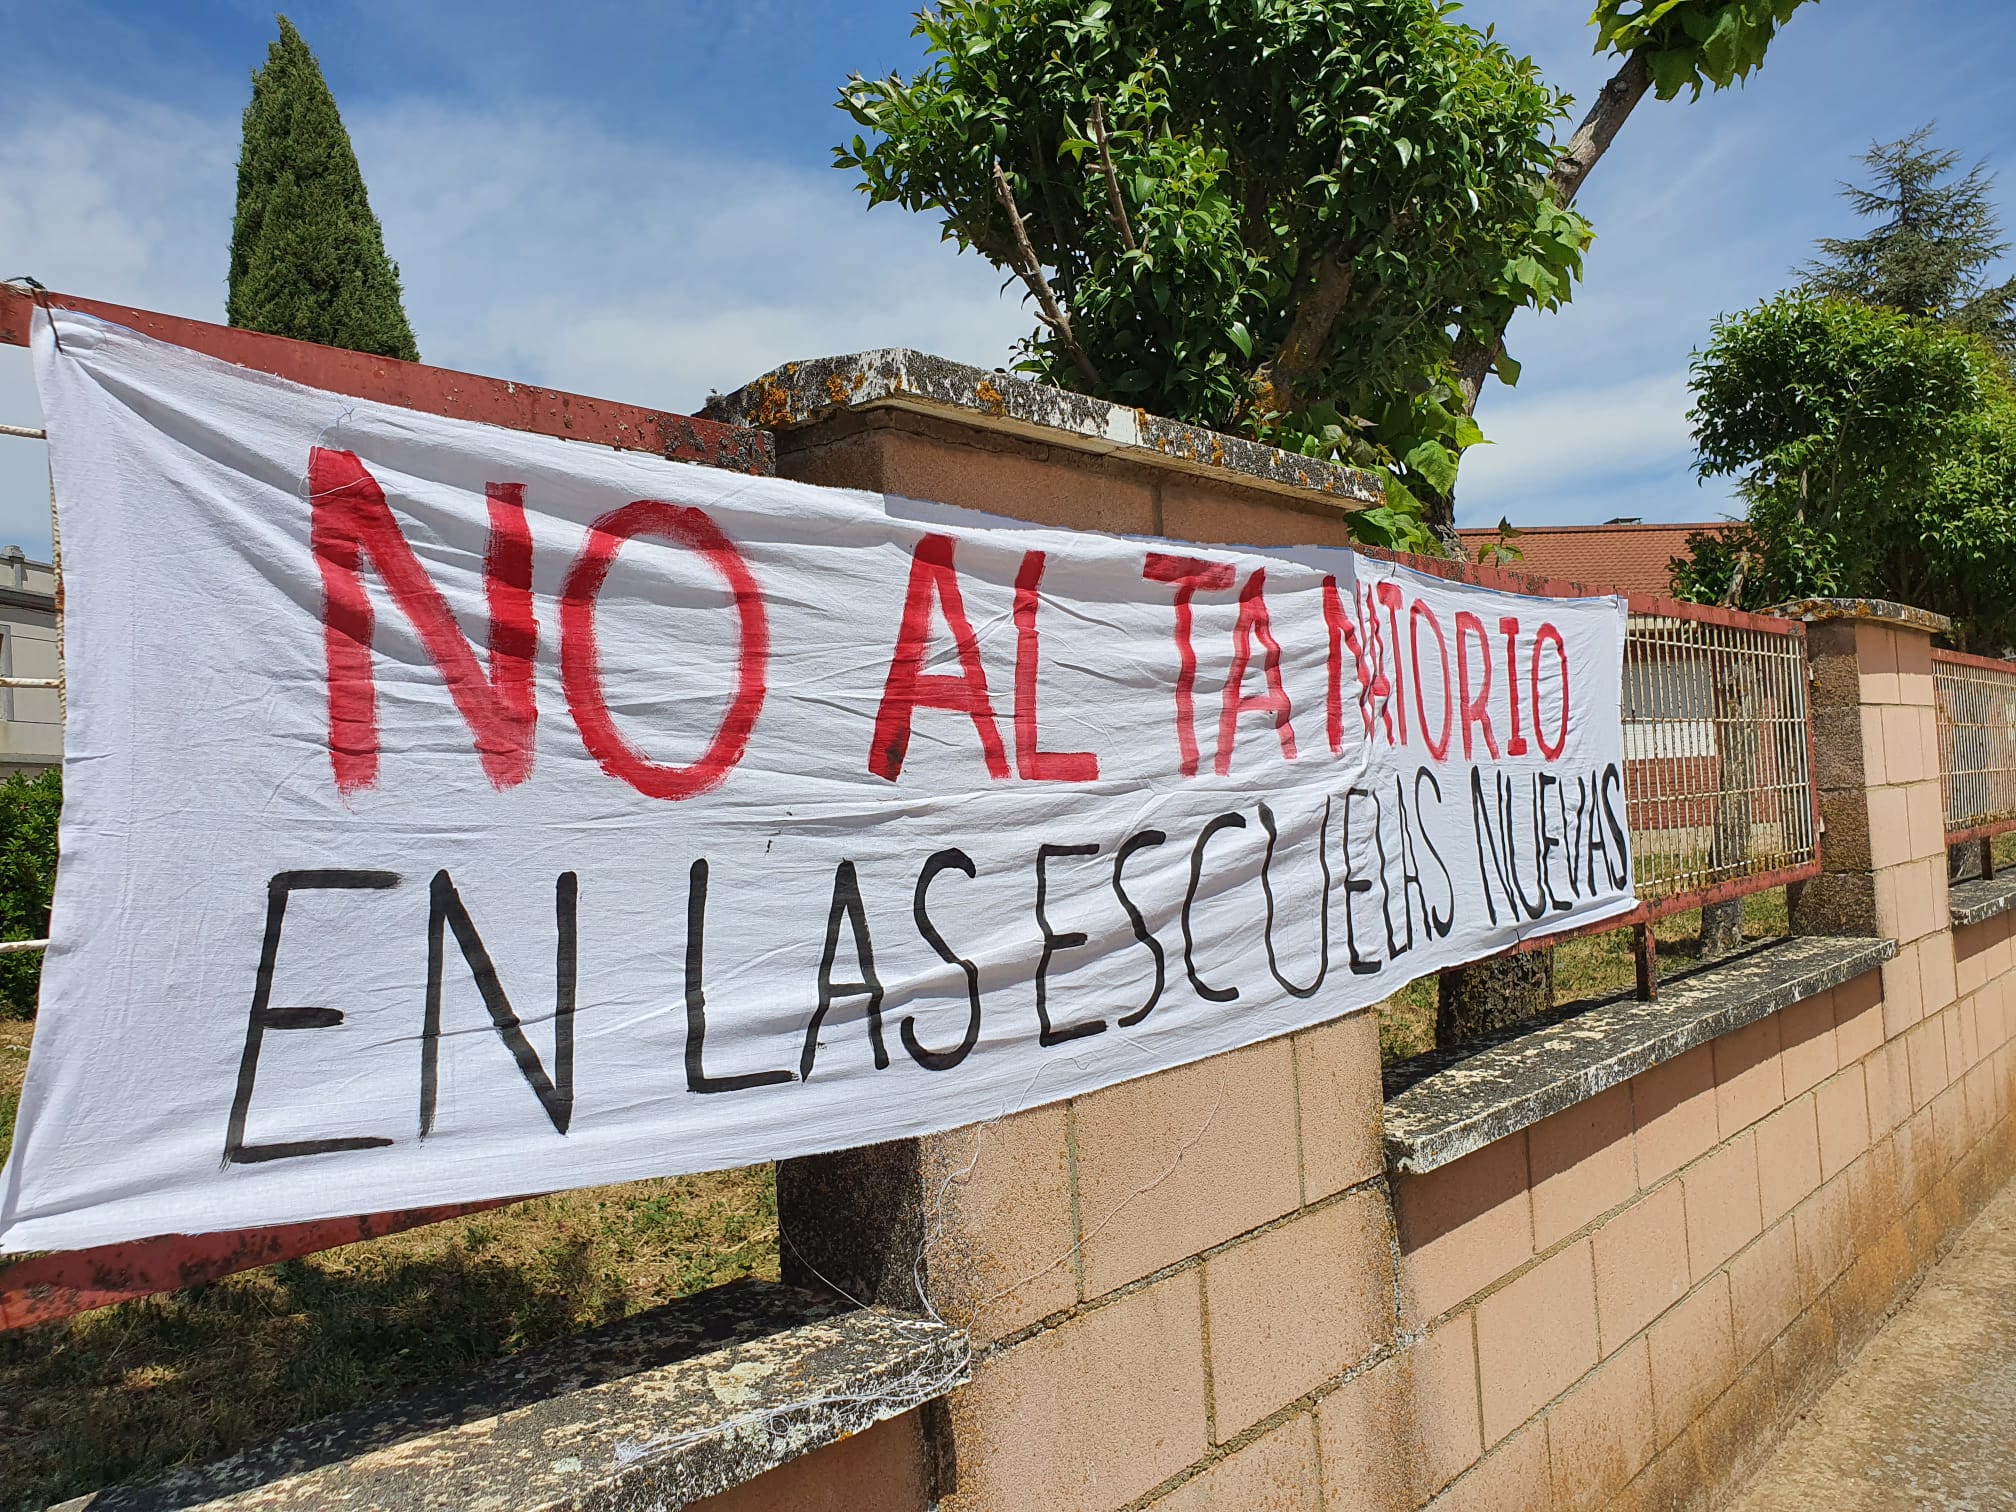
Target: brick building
x,y
1625,554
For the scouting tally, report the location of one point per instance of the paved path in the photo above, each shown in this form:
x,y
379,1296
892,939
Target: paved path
x,y
1926,1416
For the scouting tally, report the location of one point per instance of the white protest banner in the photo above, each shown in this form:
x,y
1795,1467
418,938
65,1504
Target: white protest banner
x,y
453,812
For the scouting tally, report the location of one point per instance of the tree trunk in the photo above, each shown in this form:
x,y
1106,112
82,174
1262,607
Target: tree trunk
x,y
1721,929
1301,351
1614,103
1486,995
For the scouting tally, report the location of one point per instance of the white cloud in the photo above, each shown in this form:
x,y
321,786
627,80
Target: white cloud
x,y
1587,454
632,259
1592,432
532,245
621,267
130,203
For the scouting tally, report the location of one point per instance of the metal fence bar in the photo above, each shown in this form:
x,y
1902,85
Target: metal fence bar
x,y
1718,758
1976,699
430,390
1717,746
55,1286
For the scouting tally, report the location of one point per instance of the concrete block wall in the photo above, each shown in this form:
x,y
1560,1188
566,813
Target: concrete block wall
x,y
1692,1256
1198,1201
1654,1279
951,461
884,1468
1202,1290
1162,1280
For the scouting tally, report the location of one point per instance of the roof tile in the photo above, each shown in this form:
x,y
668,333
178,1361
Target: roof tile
x,y
1630,558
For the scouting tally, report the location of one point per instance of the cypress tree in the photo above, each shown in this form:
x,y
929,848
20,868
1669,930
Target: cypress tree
x,y
307,255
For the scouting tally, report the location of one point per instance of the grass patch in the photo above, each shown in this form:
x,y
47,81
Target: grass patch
x,y
14,1036
195,1374
1407,1022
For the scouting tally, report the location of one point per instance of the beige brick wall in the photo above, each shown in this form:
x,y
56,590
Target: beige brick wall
x,y
1745,1215
952,461
1218,1256
1782,1197
1206,1296
1613,1307
1199,1290
879,1470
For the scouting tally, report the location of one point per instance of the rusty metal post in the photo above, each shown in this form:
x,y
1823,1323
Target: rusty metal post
x,y
1645,947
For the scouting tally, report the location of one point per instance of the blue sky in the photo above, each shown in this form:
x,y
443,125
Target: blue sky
x,y
634,201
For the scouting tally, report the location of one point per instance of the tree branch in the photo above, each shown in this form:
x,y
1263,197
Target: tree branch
x,y
1118,214
1614,103
1157,321
1301,351
1032,275
1061,235
1732,596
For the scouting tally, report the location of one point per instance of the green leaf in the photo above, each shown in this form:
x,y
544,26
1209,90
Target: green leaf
x,y
1250,143
308,259
1436,463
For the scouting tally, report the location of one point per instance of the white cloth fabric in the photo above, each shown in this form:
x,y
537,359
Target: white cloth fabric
x,y
330,879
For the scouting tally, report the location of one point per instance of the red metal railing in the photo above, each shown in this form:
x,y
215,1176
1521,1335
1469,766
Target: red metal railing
x,y
1718,749
1717,810
1718,761
416,386
1976,697
1717,745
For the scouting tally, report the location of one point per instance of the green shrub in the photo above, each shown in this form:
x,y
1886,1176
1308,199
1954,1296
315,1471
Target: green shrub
x,y
29,807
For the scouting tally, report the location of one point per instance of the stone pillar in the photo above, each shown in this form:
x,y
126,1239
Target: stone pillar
x,y
1488,995
1883,840
1876,767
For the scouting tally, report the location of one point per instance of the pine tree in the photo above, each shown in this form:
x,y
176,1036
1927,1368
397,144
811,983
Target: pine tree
x,y
1931,249
307,255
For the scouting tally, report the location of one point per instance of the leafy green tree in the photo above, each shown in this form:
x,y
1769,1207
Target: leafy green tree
x,y
307,256
29,809
1876,453
1686,44
1263,215
1307,220
1934,241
